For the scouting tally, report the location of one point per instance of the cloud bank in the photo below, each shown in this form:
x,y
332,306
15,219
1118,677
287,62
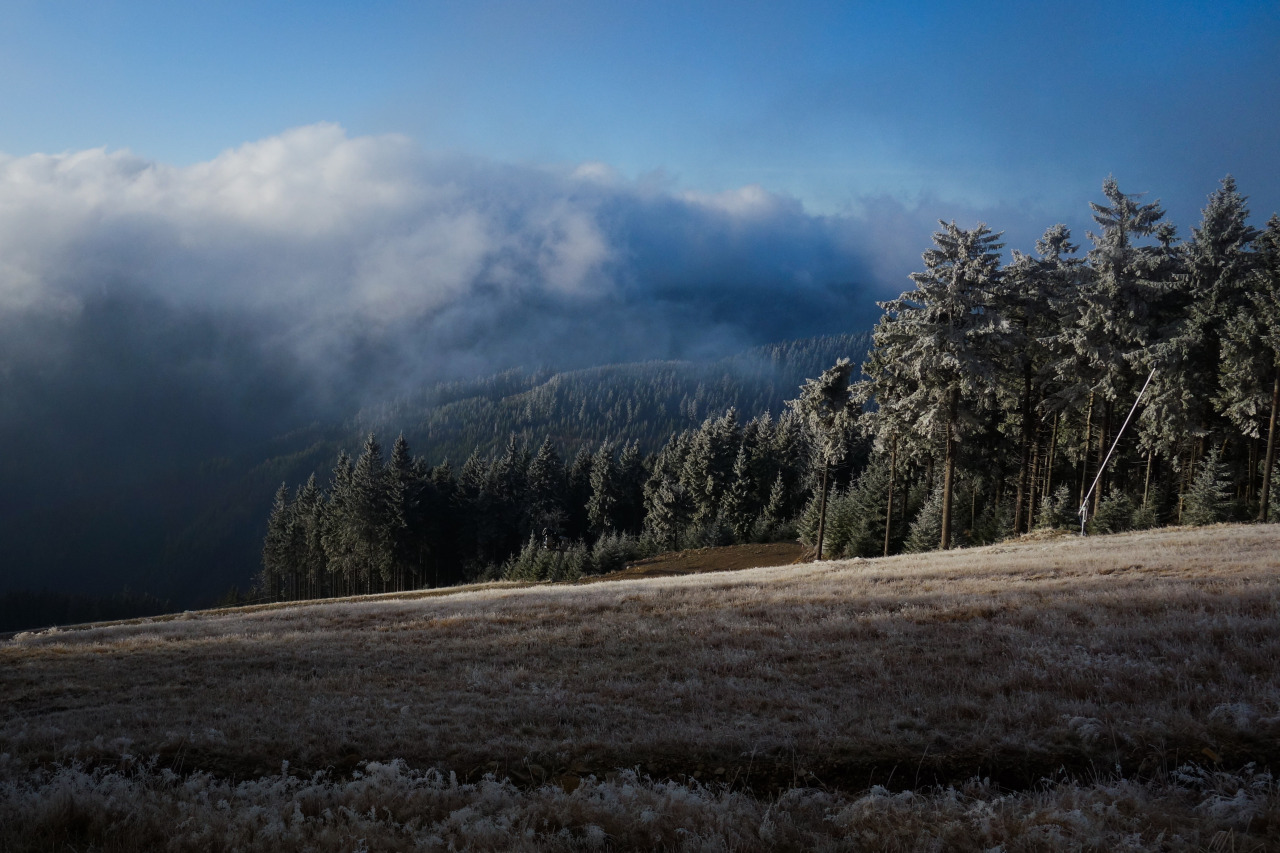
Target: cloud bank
x,y
358,254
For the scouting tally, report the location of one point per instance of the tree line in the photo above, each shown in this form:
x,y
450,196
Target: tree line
x,y
385,524
995,395
991,402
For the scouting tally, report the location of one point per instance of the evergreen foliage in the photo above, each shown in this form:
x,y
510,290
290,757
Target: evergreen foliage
x,y
1057,512
1115,513
926,530
945,337
1208,501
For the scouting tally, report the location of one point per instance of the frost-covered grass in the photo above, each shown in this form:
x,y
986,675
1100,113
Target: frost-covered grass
x,y
387,806
1102,664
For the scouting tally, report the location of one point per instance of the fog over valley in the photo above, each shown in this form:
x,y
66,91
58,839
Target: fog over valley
x,y
157,318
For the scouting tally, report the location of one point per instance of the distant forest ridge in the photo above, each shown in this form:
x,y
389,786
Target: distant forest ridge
x,y
645,402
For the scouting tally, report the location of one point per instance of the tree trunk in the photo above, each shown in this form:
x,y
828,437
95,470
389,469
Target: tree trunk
x,y
1103,435
948,474
1088,445
1253,467
1270,460
1024,465
1053,449
1146,484
973,504
822,508
888,512
1037,465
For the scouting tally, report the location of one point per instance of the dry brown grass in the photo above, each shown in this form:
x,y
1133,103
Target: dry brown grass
x,y
1019,662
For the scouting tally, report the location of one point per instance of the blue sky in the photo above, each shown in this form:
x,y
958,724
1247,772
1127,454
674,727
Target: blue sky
x,y
1019,106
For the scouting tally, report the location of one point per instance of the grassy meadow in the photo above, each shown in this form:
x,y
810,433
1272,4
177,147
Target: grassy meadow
x,y
1114,692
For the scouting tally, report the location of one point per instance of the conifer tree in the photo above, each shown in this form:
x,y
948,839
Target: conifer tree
x,y
944,337
1249,373
775,512
1115,513
738,511
1037,294
830,409
547,490
275,549
370,518
404,497
1210,289
338,544
1117,316
603,503
868,509
925,532
309,523
631,477
1057,512
579,493
1208,500
667,511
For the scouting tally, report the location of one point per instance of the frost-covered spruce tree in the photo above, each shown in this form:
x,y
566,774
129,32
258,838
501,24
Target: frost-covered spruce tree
x,y
1038,293
309,508
830,409
1275,495
547,488
773,520
888,381
578,493
276,563
602,505
1145,516
535,562
371,518
667,512
708,466
807,522
1115,513
926,530
339,546
944,337
866,506
403,488
1118,314
737,510
1211,288
631,479
1058,511
1249,373
1208,500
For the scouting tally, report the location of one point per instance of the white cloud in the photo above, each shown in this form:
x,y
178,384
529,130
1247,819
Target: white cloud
x,y
326,233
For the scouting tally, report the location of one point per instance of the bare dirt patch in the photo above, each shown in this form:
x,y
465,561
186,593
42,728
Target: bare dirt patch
x,y
730,558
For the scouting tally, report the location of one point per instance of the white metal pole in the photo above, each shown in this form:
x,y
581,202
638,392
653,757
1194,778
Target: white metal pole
x,y
1083,512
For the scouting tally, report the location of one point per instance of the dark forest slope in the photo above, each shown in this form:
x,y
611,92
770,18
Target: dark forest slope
x,y
189,533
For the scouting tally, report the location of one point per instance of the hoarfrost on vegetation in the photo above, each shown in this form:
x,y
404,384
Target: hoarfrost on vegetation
x,y
388,805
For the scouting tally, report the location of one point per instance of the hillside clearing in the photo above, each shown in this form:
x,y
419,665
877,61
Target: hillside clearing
x,y
1127,655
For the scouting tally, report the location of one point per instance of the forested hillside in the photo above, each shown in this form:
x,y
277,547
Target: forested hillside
x,y
195,532
995,398
566,457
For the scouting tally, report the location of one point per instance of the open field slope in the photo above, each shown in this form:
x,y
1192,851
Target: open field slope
x,y
1080,677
